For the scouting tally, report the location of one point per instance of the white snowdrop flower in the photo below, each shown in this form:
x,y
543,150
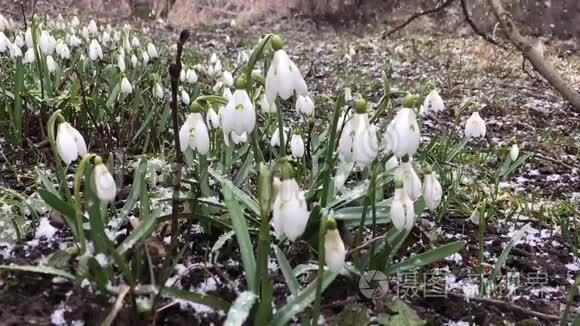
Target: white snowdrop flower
x,y
135,42
213,119
92,28
433,103
237,139
227,94
392,163
514,151
121,63
95,51
191,76
105,186
29,56
402,210
214,66
334,250
432,191
4,25
358,141
127,44
267,107
106,38
85,33
28,38
305,105
283,78
290,212
411,182
275,139
403,136
242,58
347,94
18,41
152,50
62,50
145,58
134,61
475,216
475,126
182,75
50,64
15,51
126,87
116,36
4,43
227,78
74,41
185,97
47,43
70,144
158,90
218,85
238,115
193,134
297,145
75,21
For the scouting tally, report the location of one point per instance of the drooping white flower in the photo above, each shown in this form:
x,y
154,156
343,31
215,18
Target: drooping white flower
x,y
191,76
185,97
158,90
237,139
105,186
347,94
106,38
95,51
28,38
402,210
152,51
514,151
227,78
296,145
47,43
75,21
242,58
135,42
70,144
334,250
403,136
475,216
62,50
214,66
267,107
432,191
290,212
74,41
475,126
358,141
433,102
305,105
134,61
29,56
213,119
92,28
19,41
238,115
126,44
50,64
121,63
193,134
283,78
85,33
126,87
411,182
4,42
15,51
145,57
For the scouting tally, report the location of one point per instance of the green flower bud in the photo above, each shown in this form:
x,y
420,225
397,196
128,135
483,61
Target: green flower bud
x,y
195,107
361,106
398,184
331,224
409,101
277,43
405,158
241,82
427,170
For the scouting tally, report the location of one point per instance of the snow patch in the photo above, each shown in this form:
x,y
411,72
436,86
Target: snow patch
x,y
45,230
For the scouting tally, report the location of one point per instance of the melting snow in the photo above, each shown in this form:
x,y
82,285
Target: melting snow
x,y
57,317
45,230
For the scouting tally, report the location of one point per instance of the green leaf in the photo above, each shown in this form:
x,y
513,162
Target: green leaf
x,y
402,315
240,310
200,298
46,181
425,258
68,212
138,178
241,228
287,271
141,233
240,195
352,215
245,170
38,269
299,302
506,251
114,94
17,110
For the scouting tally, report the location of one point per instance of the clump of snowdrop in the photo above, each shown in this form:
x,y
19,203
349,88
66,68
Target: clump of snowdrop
x,y
62,50
290,212
283,78
403,136
402,210
334,250
70,144
432,191
194,134
105,186
407,175
358,141
238,115
475,125
47,43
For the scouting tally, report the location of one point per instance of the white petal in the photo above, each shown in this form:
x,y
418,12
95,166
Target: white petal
x,y
66,144
104,183
334,251
297,146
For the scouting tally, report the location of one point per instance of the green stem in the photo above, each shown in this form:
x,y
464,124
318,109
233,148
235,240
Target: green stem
x,y
280,128
77,191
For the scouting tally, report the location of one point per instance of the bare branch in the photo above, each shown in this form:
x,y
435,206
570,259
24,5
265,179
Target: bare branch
x,y
475,28
534,55
439,7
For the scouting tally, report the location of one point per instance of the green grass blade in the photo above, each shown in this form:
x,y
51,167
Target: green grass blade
x,y
287,271
425,258
38,269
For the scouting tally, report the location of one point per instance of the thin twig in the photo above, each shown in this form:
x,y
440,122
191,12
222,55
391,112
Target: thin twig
x,y
475,28
365,245
437,8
